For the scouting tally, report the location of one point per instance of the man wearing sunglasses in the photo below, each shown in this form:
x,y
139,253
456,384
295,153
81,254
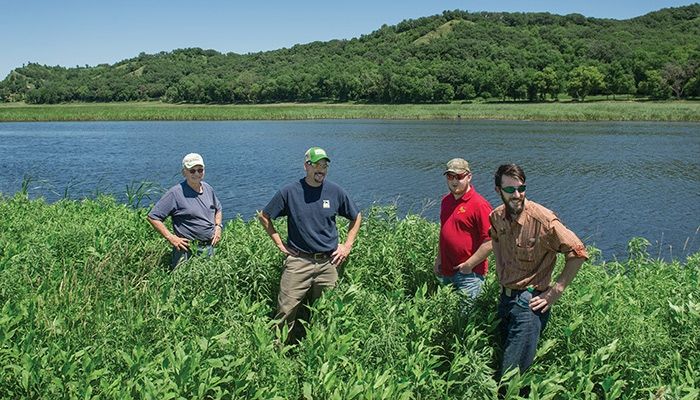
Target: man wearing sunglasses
x,y
464,234
195,211
312,251
526,240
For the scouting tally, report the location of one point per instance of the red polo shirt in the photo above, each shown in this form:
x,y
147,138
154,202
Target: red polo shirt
x,y
464,226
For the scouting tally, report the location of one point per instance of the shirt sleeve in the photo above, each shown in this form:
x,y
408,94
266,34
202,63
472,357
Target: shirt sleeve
x,y
217,203
564,241
485,222
164,207
276,207
347,208
493,232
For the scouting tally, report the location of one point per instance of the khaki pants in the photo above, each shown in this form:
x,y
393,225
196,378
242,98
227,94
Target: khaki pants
x,y
302,277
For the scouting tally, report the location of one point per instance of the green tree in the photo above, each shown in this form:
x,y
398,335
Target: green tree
x,y
618,81
692,88
654,86
677,77
547,83
465,92
443,93
585,80
517,85
497,81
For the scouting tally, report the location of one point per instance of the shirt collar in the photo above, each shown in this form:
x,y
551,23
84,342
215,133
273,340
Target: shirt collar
x,y
467,195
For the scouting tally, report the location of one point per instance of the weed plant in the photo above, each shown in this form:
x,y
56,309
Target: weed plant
x,y
548,111
91,310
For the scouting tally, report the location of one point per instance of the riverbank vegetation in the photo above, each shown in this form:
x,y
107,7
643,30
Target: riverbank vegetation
x,y
550,111
89,310
456,55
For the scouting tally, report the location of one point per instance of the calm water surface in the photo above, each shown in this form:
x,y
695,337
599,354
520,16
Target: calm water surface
x,y
607,181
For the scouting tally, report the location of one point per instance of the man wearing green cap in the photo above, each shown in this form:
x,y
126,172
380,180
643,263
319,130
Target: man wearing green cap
x,y
312,249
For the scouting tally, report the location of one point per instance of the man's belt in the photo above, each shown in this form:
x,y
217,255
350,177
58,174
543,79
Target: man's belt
x,y
514,292
315,256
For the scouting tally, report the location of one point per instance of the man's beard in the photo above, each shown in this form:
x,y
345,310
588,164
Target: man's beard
x,y
319,177
514,206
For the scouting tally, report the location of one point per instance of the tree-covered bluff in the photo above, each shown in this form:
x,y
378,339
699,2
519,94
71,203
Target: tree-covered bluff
x,y
456,55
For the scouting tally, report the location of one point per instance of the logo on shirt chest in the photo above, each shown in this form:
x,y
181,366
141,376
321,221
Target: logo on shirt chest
x,y
326,204
461,210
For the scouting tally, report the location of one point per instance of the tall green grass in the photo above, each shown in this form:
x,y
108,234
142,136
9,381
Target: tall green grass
x,y
557,111
89,310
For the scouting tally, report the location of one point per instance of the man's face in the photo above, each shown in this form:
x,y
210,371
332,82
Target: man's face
x,y
316,172
514,201
458,183
194,175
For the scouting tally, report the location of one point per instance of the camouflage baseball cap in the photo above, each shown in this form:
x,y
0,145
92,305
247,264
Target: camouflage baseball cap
x,y
457,166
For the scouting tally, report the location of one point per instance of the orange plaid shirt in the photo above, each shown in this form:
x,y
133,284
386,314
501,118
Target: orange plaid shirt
x,y
526,249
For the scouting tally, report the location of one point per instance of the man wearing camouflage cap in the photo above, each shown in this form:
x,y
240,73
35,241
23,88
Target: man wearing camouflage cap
x,y
464,233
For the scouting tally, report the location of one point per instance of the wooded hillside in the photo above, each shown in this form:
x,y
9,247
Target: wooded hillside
x,y
453,56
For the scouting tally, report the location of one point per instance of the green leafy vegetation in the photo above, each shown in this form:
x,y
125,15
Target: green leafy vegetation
x,y
157,111
456,55
89,310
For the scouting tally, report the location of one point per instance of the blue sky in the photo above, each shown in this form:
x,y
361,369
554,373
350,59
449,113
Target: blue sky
x,y
80,32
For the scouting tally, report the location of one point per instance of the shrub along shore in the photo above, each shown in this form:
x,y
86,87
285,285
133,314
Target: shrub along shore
x,y
89,309
602,110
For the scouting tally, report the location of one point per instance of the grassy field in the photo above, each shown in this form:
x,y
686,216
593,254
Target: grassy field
x,y
560,111
89,310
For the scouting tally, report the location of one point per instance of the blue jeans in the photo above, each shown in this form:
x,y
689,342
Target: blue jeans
x,y
468,285
520,329
179,256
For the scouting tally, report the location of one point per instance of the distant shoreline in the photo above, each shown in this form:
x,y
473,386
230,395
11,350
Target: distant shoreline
x,y
564,111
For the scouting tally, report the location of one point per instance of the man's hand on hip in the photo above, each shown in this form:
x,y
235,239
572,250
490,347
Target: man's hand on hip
x,y
545,300
287,250
340,254
217,235
179,243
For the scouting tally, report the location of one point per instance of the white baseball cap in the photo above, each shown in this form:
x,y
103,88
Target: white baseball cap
x,y
191,160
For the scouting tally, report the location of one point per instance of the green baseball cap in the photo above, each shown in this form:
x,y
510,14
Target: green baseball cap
x,y
315,154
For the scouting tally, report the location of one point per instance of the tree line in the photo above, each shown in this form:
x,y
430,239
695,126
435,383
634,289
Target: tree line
x,y
457,55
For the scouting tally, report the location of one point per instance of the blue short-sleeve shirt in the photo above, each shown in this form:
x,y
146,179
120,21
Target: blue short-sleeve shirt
x,y
311,212
192,212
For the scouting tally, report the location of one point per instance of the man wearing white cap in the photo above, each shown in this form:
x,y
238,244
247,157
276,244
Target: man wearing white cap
x,y
313,252
195,211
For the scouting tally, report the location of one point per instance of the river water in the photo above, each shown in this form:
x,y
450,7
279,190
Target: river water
x,y
608,181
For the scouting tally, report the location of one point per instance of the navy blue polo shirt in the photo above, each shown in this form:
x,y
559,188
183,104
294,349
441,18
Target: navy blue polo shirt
x,y
311,212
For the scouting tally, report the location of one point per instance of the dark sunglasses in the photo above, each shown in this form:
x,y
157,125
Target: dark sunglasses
x,y
459,177
193,170
512,189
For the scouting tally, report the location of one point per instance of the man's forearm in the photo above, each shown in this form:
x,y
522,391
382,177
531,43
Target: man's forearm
x,y
353,230
270,228
568,273
160,227
479,255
